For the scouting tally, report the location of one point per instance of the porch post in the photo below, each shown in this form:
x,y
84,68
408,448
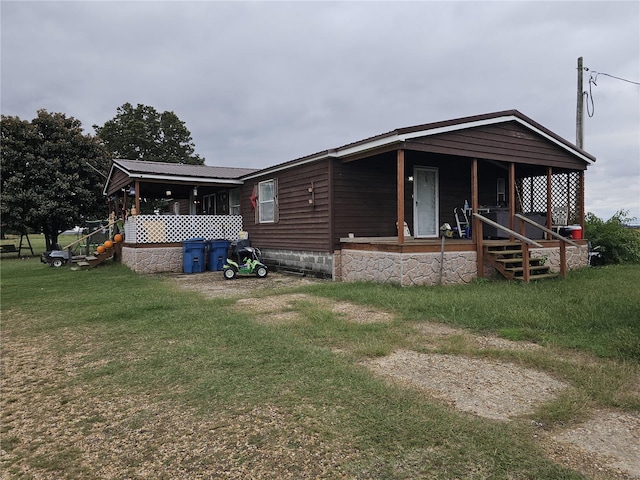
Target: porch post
x,y
581,200
512,195
549,198
123,212
476,229
400,199
138,197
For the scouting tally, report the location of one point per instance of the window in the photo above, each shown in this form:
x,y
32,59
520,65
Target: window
x,y
234,201
267,201
501,191
208,204
222,202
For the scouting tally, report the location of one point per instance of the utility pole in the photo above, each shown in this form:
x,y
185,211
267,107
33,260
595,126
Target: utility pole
x,y
580,108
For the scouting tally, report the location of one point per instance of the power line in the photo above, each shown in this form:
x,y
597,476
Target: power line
x,y
608,75
592,81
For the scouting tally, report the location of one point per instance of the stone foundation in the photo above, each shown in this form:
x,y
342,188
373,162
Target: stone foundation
x,y
409,269
346,265
319,264
153,259
577,257
406,269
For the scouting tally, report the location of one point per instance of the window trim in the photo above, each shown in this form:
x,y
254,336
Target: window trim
x,y
262,202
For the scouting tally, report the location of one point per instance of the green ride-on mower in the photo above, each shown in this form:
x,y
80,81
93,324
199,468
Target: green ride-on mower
x,y
242,259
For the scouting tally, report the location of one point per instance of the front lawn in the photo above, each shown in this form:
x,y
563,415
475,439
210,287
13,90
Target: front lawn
x,y
111,374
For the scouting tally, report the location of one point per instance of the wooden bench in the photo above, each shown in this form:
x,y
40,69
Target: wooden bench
x,y
8,248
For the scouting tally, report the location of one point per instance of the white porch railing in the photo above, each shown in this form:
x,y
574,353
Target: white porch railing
x,y
177,228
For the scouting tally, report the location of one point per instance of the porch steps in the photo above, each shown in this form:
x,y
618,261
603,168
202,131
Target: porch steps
x,y
507,259
97,258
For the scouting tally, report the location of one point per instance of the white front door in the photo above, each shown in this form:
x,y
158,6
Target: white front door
x,y
425,197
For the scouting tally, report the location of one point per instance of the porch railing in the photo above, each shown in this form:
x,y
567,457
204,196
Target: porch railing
x,y
563,241
97,231
148,229
523,239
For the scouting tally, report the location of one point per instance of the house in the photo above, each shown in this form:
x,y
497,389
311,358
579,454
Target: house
x,y
336,213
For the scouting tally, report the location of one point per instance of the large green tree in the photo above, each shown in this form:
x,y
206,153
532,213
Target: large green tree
x,y
51,175
142,133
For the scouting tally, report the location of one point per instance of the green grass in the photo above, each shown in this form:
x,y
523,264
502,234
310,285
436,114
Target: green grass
x,y
37,242
137,334
596,310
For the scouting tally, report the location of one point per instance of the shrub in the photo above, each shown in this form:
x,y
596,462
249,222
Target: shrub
x,y
618,243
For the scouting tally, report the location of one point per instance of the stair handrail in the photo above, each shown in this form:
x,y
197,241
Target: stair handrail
x,y
98,230
546,230
508,230
563,242
524,239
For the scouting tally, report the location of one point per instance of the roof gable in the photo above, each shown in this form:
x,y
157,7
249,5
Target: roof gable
x,y
466,123
172,173
408,136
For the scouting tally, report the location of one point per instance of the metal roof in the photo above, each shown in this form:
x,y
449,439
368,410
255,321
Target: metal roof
x,y
202,174
141,169
176,173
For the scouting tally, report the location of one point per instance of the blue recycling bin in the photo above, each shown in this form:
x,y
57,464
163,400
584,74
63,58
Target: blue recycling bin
x,y
194,255
217,254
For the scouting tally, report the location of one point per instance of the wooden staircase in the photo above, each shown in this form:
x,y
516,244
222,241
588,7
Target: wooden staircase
x,y
97,258
507,259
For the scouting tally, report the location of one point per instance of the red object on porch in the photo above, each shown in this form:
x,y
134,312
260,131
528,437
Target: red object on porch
x,y
254,196
576,232
573,232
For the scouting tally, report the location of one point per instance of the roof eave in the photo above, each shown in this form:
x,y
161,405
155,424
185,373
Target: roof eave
x,y
182,178
397,137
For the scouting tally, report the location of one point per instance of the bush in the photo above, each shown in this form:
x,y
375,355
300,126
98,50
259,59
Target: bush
x,y
618,243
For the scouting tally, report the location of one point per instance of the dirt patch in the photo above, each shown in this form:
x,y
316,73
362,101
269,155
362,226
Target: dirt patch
x,y
63,430
608,438
213,284
490,389
279,308
436,332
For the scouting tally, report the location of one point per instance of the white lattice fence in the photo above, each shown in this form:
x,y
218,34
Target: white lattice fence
x,y
177,228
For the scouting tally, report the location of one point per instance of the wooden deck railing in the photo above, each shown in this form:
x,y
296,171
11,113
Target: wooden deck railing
x,y
563,241
480,247
100,229
523,239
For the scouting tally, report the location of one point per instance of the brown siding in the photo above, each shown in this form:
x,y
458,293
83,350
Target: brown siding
x,y
510,142
365,198
300,226
118,180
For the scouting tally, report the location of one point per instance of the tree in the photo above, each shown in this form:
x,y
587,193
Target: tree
x,y
50,176
617,243
141,133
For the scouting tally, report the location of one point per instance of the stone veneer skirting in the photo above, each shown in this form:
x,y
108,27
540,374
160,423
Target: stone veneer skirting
x,y
152,259
346,265
409,269
577,257
405,269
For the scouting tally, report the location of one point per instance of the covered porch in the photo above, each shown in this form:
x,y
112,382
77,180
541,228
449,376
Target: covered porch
x,y
163,204
506,178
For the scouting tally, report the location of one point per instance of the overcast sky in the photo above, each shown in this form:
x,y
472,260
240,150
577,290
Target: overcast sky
x,y
259,83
